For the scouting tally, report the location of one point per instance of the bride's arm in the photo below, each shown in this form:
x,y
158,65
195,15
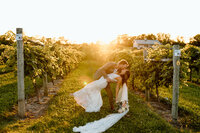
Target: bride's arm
x,y
119,82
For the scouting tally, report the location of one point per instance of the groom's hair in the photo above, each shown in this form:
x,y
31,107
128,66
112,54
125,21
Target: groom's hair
x,y
123,61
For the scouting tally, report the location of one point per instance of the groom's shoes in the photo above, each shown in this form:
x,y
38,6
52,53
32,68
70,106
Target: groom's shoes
x,y
113,110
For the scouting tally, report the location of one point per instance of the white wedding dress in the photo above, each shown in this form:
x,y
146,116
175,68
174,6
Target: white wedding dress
x,y
90,98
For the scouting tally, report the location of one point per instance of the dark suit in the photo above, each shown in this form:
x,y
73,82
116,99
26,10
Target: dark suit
x,y
103,71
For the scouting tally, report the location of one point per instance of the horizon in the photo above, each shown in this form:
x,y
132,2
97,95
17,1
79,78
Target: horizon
x,y
101,21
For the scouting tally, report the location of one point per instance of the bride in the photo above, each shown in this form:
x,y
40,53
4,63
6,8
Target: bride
x,y
90,98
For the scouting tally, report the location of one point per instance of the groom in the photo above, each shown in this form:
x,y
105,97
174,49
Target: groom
x,y
107,69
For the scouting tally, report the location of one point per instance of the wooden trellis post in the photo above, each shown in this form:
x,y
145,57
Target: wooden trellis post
x,y
20,73
45,85
176,66
45,82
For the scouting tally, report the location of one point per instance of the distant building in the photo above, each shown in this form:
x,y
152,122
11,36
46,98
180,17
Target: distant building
x,y
145,43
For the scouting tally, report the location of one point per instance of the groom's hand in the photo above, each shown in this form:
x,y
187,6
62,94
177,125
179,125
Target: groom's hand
x,y
108,80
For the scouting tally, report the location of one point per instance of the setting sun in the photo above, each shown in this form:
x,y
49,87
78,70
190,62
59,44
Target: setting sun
x,y
92,20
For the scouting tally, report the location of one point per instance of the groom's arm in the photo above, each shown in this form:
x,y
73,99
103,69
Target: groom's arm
x,y
107,66
104,74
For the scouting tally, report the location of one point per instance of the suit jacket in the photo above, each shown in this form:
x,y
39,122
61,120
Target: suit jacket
x,y
105,69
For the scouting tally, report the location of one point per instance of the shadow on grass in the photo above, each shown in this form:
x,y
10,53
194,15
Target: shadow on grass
x,y
4,121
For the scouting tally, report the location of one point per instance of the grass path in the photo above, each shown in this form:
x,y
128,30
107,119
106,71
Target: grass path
x,y
63,113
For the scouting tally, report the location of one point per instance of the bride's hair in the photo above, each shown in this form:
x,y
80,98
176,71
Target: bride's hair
x,y
125,77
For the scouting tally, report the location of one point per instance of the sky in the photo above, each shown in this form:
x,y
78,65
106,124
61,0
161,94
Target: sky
x,y
100,20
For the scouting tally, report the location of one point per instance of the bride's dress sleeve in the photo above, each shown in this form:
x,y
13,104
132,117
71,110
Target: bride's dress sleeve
x,y
113,75
123,94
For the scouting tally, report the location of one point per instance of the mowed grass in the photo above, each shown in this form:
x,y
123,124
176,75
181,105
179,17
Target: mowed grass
x,y
8,94
63,113
189,103
8,86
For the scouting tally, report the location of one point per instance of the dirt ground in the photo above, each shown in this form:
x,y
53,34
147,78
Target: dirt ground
x,y
160,108
35,109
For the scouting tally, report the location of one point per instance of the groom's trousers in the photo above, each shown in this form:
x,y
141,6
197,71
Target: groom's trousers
x,y
110,96
108,90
